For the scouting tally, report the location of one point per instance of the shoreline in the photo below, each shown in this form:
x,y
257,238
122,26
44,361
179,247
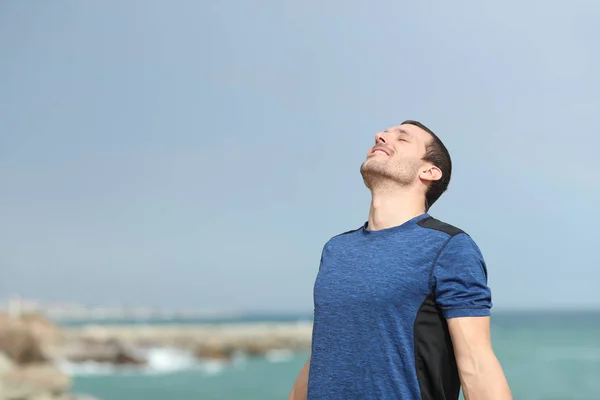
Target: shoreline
x,y
126,344
40,356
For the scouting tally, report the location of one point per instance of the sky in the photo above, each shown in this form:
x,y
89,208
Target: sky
x,y
200,154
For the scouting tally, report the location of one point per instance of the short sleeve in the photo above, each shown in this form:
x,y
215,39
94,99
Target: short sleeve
x,y
460,279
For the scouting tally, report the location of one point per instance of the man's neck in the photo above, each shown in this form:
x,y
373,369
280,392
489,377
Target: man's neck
x,y
393,207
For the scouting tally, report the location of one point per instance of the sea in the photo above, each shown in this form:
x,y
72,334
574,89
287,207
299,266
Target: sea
x,y
545,356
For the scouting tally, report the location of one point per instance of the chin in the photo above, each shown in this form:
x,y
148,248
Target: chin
x,y
373,170
372,164
368,162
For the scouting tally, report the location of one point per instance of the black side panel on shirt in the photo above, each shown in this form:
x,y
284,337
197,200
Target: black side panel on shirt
x,y
432,223
434,355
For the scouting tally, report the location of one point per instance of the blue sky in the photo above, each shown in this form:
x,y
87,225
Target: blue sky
x,y
200,154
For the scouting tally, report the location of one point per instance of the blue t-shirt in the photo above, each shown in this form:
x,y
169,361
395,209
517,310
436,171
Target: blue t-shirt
x,y
381,301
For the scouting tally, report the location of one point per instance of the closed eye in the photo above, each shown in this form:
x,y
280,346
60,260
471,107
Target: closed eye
x,y
403,135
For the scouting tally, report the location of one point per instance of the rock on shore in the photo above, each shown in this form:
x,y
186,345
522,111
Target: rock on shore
x,y
219,342
26,370
31,347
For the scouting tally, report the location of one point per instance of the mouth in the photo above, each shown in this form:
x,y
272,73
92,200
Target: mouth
x,y
380,150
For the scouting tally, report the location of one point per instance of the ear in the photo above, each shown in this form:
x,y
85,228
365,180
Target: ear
x,y
430,173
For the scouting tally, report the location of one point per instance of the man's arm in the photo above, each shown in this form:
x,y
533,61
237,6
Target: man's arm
x,y
300,389
462,292
481,375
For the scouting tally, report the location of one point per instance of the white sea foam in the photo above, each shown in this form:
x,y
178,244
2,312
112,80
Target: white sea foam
x,y
212,367
159,361
87,368
279,356
165,360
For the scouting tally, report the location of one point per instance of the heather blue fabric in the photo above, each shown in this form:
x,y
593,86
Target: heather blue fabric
x,y
367,293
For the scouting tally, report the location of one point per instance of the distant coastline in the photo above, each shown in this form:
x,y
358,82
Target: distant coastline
x,y
78,314
71,313
251,319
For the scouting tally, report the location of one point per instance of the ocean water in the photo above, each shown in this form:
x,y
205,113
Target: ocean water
x,y
545,356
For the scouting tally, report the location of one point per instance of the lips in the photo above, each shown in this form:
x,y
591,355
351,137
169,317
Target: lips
x,y
380,150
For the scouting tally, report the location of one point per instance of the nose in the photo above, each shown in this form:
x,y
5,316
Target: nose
x,y
381,137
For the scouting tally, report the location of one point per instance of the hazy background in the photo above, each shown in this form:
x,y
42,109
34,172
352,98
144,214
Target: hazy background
x,y
200,154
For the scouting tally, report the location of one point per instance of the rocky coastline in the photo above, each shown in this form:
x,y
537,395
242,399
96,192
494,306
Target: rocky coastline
x,y
119,344
32,349
27,371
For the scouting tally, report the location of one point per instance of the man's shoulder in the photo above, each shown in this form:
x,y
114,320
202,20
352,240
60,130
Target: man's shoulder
x,y
346,233
342,240
436,225
454,240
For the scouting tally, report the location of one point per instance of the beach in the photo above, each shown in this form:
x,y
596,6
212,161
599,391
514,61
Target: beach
x,y
546,356
126,344
40,357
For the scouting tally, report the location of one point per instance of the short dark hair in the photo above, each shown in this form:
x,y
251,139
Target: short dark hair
x,y
437,154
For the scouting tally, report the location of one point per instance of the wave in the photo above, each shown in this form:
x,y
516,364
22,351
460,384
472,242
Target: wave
x,y
159,361
278,356
162,361
169,360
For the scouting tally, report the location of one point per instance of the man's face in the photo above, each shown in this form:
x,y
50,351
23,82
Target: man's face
x,y
396,156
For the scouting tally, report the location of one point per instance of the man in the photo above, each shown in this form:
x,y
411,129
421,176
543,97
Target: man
x,y
402,306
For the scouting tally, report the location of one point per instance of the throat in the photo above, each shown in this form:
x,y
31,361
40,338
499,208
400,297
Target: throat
x,y
390,211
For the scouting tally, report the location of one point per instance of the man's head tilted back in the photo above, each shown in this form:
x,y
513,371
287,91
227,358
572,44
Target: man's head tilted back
x,y
411,156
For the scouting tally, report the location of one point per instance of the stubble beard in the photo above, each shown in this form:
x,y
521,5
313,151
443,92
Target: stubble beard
x,y
378,175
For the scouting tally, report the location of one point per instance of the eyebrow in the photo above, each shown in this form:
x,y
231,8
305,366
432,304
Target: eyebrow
x,y
400,130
